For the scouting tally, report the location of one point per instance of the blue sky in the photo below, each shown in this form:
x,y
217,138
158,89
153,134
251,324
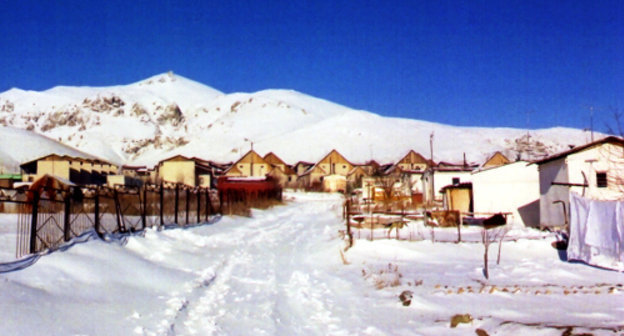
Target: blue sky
x,y
519,64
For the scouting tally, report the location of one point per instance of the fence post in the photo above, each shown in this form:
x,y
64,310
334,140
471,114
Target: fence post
x,y
67,222
144,209
97,213
118,212
348,215
33,222
162,205
208,203
188,204
198,206
175,216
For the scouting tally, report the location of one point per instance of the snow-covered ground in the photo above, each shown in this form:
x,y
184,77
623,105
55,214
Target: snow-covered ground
x,y
281,273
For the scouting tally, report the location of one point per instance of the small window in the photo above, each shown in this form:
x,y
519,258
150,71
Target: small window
x,y
455,180
344,167
601,180
241,166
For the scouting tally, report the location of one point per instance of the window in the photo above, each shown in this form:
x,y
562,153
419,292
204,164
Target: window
x,y
344,167
455,180
601,180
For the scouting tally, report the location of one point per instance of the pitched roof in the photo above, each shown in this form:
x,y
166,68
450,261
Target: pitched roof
x,y
334,153
413,157
610,139
497,159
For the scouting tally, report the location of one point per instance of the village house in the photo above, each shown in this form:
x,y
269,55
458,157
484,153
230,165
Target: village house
x,y
328,174
180,169
593,170
281,172
508,188
414,166
249,165
81,171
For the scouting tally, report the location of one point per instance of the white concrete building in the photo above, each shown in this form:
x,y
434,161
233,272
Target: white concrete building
x,y
510,188
594,170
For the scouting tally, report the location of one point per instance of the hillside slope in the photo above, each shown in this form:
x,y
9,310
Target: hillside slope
x,y
144,122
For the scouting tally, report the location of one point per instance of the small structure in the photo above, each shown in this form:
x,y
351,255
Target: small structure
x,y
188,171
458,197
8,180
441,175
593,171
81,171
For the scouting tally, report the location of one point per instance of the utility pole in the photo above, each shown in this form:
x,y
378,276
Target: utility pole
x,y
432,169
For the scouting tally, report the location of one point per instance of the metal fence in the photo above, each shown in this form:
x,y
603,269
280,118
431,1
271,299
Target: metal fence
x,y
49,217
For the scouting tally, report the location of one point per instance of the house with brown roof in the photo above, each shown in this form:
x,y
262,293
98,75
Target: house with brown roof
x,y
250,165
331,164
283,173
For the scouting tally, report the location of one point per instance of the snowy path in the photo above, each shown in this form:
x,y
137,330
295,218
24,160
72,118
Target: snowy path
x,y
273,274
281,273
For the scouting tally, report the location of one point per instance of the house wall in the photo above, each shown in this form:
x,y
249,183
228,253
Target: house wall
x,y
511,188
204,180
551,214
337,167
259,169
334,183
579,168
178,172
413,166
53,167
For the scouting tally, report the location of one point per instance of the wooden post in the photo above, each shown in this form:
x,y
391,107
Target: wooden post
x,y
162,205
120,227
188,205
177,200
208,204
144,208
461,221
67,219
96,212
33,222
348,215
198,206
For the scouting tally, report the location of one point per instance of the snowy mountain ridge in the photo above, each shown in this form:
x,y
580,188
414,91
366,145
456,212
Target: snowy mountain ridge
x,y
167,114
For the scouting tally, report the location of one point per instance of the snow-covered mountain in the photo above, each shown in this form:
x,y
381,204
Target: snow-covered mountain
x,y
144,122
18,146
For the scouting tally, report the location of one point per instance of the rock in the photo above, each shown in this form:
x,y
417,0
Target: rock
x,y
406,297
481,332
460,318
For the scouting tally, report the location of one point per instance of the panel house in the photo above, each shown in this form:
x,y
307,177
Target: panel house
x,y
180,169
593,170
81,171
